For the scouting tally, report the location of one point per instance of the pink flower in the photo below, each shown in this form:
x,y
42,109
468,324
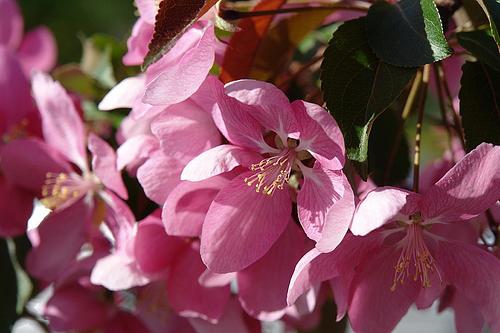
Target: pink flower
x,y
58,170
36,50
291,149
415,246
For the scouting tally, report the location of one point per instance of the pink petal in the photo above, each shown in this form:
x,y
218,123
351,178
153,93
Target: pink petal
x,y
76,308
117,271
26,162
218,160
185,130
192,67
186,206
273,107
125,322
62,126
15,96
54,253
234,119
468,318
138,42
11,24
210,279
159,175
474,274
322,188
125,94
38,51
154,250
16,206
262,287
147,10
241,226
134,152
187,297
104,165
374,307
337,221
119,219
382,206
468,189
233,320
319,134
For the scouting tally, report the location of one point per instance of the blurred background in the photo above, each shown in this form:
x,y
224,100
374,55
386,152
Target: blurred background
x,y
72,21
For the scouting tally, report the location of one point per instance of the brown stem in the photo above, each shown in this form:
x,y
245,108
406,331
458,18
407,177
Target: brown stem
x,y
418,135
229,14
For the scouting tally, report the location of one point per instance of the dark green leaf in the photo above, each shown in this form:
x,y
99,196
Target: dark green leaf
x,y
492,10
408,33
482,46
479,104
8,289
358,87
389,153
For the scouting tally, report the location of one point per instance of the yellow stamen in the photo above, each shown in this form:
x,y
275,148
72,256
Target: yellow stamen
x,y
272,173
59,188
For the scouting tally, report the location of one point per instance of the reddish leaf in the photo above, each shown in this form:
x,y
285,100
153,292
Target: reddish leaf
x,y
243,46
173,19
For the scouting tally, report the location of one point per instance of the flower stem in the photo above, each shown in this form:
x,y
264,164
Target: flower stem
x,y
418,135
230,15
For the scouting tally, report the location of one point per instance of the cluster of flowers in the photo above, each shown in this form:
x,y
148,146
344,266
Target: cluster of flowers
x,y
256,210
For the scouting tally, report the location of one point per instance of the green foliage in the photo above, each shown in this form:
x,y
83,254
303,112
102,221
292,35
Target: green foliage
x,y
492,10
358,87
482,46
480,104
408,33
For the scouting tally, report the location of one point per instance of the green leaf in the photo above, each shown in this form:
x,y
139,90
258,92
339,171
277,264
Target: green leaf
x,y
408,33
482,46
358,87
75,80
8,289
97,60
389,153
480,104
492,11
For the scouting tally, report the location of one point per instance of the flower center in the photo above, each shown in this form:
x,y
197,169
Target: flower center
x,y
62,189
272,173
415,250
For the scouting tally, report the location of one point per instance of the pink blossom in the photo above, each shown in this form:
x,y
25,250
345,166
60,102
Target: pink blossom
x,y
287,147
34,51
57,169
417,237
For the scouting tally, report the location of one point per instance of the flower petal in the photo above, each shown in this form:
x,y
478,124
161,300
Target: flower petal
x,y
319,134
187,297
147,10
273,110
322,188
62,125
186,206
262,287
38,51
374,307
218,160
468,189
134,152
381,206
104,165
192,67
241,226
185,130
158,176
337,221
16,206
11,24
125,94
26,162
137,43
474,274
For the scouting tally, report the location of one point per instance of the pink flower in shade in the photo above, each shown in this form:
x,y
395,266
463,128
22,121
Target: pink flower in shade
x,y
415,246
287,147
34,51
18,119
58,171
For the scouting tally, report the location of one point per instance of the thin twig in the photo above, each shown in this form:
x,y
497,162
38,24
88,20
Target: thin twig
x,y
418,135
